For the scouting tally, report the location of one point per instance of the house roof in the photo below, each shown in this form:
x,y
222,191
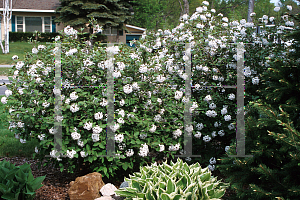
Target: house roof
x,y
19,5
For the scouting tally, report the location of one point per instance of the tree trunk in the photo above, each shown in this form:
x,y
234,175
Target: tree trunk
x,y
250,10
6,18
186,7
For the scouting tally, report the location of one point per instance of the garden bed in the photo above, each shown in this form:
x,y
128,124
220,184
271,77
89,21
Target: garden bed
x,y
56,183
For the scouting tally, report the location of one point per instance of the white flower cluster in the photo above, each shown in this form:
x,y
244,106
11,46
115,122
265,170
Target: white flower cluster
x,y
75,135
178,95
74,108
161,147
199,126
144,150
119,138
153,128
211,113
129,152
177,133
71,52
88,126
114,50
71,154
198,135
174,147
70,31
95,137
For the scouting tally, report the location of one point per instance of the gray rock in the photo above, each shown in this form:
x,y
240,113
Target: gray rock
x,y
124,184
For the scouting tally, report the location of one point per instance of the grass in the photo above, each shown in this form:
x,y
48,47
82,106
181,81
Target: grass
x,y
9,145
4,71
16,48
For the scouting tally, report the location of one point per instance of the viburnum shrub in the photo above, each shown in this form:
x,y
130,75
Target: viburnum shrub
x,y
149,93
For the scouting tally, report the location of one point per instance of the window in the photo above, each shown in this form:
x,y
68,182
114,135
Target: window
x,y
31,24
110,31
19,24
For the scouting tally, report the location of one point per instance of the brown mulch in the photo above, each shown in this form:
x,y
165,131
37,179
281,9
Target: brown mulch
x,y
56,183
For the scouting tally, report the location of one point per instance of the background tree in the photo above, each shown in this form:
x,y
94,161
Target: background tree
x,y
108,13
7,13
272,133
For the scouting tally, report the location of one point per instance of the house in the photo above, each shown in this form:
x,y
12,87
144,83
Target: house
x,y
31,15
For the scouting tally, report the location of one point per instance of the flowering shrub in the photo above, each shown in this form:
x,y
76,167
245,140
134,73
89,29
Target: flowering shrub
x,y
148,90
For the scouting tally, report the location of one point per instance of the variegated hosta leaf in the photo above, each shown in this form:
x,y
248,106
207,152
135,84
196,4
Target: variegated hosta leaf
x,y
177,181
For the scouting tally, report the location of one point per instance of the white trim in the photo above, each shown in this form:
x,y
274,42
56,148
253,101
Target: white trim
x,y
31,10
135,27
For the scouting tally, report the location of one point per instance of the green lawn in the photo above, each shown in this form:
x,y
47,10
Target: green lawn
x,y
4,71
9,145
16,48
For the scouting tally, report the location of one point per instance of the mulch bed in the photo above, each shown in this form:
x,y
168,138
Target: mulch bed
x,y
56,183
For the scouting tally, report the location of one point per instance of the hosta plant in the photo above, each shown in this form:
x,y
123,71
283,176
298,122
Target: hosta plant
x,y
175,181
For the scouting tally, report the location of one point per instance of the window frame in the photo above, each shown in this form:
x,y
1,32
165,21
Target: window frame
x,y
43,23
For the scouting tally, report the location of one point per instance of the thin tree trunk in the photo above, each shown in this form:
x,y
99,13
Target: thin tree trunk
x,y
250,10
6,18
186,7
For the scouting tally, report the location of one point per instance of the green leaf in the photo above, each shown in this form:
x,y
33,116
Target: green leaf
x,y
125,166
165,196
36,183
170,187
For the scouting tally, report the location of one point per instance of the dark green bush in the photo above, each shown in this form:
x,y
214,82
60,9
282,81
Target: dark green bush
x,y
23,36
17,182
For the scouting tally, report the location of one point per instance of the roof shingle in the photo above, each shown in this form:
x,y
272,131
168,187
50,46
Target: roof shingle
x,y
34,4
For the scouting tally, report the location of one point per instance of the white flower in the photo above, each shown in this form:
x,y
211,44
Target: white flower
x,y
119,138
174,147
97,129
243,21
199,9
57,38
227,117
225,19
122,102
73,96
157,118
88,126
160,78
202,17
205,3
252,14
198,135
20,124
276,9
36,150
144,150
177,133
41,137
8,93
80,143
213,10
70,31
104,102
113,49
221,133
212,161
153,128
255,80
289,7
200,26
227,148
15,57
68,101
129,152
74,108
46,104
212,106
23,141
75,136
71,52
199,126
206,138
95,137
178,95
162,147
52,131
207,98
231,126
127,89
211,167
216,124
71,154
211,113
231,96
143,69
83,154
121,121
41,47
213,134
224,111
34,50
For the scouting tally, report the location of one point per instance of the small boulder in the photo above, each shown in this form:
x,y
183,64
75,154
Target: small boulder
x,y
108,190
86,187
